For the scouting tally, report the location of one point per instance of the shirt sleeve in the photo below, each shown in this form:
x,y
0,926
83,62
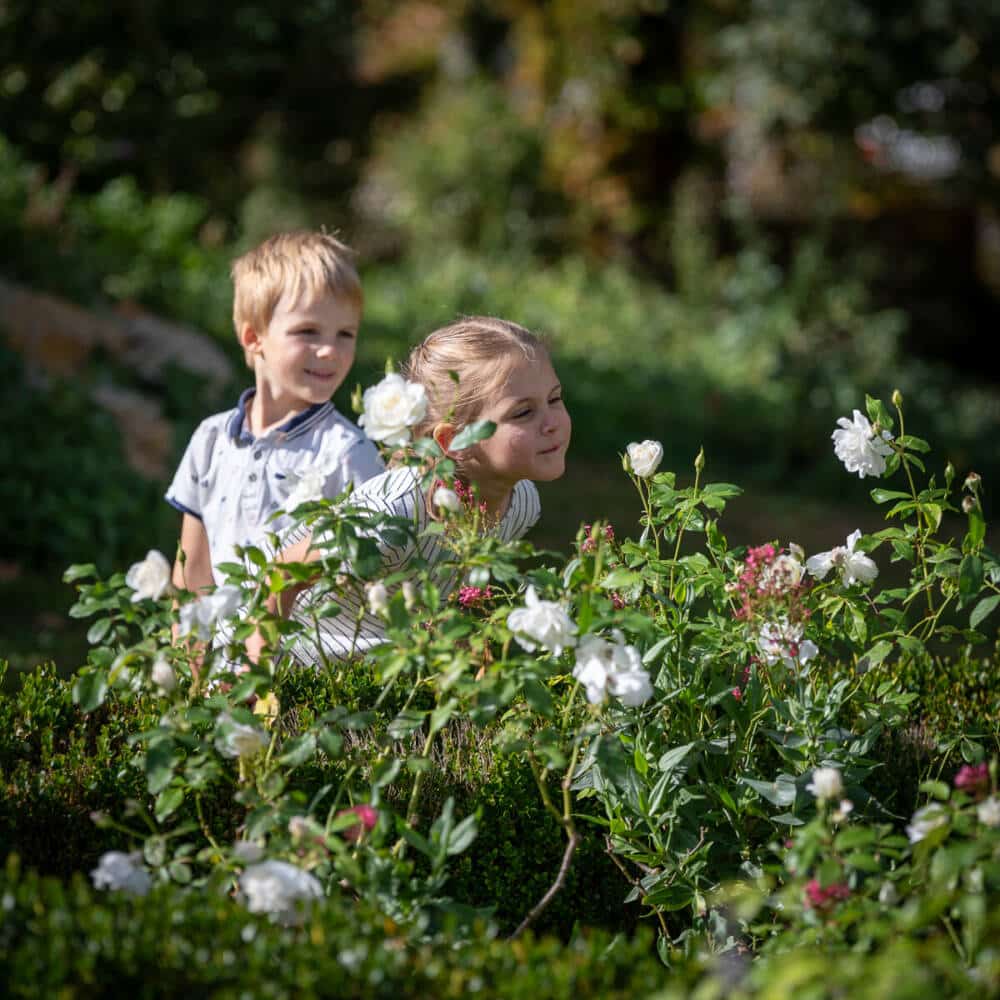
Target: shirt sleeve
x,y
525,510
185,491
357,465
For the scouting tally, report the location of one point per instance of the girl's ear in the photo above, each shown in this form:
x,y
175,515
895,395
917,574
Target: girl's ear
x,y
250,340
443,434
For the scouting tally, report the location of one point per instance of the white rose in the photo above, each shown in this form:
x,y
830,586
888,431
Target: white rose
x,y
858,447
149,578
391,408
247,851
119,871
604,667
280,888
235,739
988,811
378,598
644,457
198,616
854,567
926,819
542,623
888,895
446,500
306,488
826,784
163,675
409,594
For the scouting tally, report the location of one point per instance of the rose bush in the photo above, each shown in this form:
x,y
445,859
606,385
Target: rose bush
x,y
704,704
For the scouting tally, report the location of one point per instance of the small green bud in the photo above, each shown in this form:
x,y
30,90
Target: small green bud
x,y
626,464
949,474
390,366
897,398
972,481
356,403
699,462
969,504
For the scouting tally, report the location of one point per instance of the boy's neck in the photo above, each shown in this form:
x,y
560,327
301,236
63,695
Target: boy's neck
x,y
264,413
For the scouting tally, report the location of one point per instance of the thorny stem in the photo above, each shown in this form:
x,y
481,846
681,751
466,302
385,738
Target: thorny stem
x,y
204,826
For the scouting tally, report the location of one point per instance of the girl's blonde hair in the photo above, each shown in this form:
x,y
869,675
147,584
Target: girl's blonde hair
x,y
480,352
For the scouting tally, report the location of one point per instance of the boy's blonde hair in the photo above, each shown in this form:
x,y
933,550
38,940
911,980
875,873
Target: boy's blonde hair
x,y
298,262
481,351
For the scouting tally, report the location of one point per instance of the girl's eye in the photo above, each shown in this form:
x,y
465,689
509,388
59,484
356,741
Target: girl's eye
x,y
348,334
521,413
307,331
555,400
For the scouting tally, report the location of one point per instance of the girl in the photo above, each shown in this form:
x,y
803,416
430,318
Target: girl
x,y
504,375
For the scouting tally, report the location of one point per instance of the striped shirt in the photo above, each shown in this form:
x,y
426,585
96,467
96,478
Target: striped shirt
x,y
355,629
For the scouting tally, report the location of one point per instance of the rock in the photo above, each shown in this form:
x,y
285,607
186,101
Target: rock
x,y
57,338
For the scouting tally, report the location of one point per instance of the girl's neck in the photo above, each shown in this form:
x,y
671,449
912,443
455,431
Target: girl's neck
x,y
493,500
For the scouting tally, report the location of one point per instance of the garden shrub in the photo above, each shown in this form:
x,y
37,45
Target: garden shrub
x,y
66,939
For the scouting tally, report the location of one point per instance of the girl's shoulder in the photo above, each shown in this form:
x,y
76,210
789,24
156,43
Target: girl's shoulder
x,y
395,489
523,511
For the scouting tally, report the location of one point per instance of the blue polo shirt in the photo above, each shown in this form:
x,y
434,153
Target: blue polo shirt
x,y
233,482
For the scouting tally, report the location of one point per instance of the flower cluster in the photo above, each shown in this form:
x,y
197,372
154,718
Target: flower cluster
x,y
973,779
771,578
122,872
589,543
820,897
469,597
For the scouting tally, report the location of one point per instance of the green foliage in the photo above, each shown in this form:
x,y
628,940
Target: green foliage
x,y
103,510
68,939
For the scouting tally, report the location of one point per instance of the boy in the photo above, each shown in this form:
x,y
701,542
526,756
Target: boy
x,y
296,308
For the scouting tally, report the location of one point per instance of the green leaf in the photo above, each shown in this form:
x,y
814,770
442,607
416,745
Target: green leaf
x,y
982,609
463,835
406,722
913,443
970,578
167,802
641,764
478,431
619,579
299,750
90,689
79,570
538,697
780,792
672,758
880,495
878,653
98,631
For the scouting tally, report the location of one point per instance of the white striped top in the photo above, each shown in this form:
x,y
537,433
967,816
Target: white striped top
x,y
355,629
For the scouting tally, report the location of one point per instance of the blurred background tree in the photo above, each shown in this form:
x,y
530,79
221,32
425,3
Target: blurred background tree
x,y
732,217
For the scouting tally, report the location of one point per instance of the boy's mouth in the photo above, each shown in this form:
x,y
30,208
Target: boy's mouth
x,y
316,374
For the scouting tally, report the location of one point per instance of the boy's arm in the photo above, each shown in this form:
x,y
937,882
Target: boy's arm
x,y
195,572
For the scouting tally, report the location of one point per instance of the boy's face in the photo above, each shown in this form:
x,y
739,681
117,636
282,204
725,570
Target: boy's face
x,y
305,353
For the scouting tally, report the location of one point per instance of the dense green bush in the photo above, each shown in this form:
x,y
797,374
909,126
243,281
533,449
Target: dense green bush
x,y
68,940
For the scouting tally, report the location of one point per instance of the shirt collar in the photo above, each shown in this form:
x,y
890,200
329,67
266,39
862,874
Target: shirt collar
x,y
238,427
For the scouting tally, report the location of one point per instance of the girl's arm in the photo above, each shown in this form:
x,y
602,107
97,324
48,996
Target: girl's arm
x,y
282,603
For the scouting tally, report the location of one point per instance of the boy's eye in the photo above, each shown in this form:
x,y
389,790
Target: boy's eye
x,y
306,331
349,334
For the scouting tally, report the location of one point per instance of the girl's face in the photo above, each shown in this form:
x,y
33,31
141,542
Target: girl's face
x,y
533,431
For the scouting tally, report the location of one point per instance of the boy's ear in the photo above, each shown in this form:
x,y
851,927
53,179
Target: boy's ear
x,y
250,339
443,434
